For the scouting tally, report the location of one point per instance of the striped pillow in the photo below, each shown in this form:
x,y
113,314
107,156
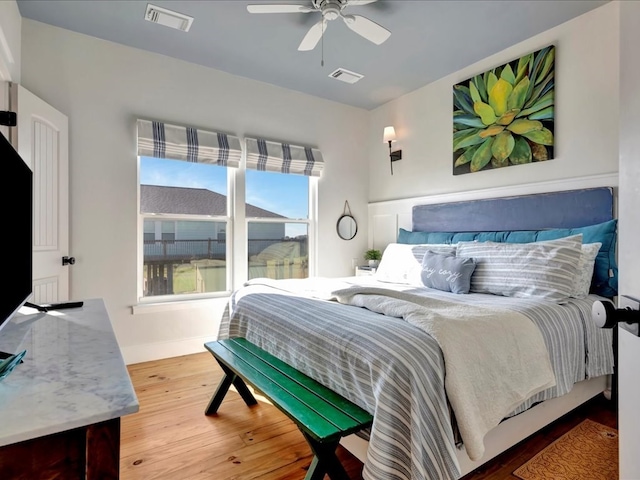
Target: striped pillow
x,y
539,269
584,276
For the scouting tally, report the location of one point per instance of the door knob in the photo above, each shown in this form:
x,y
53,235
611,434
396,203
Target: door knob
x,y
68,260
606,315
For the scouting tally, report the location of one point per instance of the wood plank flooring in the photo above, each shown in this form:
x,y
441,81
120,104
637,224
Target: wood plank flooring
x,y
170,438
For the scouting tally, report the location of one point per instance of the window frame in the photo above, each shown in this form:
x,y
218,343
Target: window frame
x,y
229,252
311,221
237,229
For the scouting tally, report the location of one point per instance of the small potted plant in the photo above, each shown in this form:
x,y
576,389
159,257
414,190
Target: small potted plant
x,y
373,256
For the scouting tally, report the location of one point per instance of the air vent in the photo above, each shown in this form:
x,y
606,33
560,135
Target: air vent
x,y
345,75
168,18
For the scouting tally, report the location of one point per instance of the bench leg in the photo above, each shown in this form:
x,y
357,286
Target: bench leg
x,y
229,379
324,461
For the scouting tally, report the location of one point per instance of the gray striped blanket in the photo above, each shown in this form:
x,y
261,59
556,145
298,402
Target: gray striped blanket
x,y
504,360
394,369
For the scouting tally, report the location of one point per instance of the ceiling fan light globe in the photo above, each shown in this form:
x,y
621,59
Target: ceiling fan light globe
x,y
331,11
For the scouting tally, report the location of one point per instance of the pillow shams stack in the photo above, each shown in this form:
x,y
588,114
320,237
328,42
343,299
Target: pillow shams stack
x,y
605,272
540,269
402,263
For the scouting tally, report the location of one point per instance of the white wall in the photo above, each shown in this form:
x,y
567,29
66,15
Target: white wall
x,y
10,40
629,345
586,124
102,87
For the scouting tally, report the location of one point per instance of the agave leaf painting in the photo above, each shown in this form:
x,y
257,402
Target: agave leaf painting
x,y
505,116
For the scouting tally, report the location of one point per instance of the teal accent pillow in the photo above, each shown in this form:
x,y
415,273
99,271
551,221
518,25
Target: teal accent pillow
x,y
605,273
419,238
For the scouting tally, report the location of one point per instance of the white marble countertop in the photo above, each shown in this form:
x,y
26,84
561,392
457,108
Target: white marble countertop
x,y
73,373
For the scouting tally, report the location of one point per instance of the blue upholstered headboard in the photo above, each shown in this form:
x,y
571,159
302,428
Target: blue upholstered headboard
x,y
527,218
568,209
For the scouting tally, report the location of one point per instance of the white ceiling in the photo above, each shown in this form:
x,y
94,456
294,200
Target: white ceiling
x,y
430,39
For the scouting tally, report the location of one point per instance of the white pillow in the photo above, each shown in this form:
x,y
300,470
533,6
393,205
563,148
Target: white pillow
x,y
539,269
402,263
582,283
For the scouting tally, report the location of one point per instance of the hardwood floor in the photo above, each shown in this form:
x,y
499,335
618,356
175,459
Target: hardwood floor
x,y
170,438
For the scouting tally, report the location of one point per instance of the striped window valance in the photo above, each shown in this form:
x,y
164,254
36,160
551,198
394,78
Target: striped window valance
x,y
161,140
283,158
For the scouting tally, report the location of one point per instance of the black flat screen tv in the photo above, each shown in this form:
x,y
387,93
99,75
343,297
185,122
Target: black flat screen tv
x,y
17,220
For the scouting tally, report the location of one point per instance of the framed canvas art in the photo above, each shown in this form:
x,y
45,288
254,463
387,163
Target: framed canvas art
x,y
505,116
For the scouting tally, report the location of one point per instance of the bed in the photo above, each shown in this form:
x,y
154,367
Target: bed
x,y
441,371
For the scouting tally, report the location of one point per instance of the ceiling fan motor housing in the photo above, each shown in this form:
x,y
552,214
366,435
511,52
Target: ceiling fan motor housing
x,y
330,8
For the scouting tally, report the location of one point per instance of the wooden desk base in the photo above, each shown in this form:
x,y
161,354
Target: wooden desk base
x,y
91,453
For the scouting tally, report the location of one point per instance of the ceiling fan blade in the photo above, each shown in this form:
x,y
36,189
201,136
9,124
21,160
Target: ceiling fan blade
x,y
313,36
367,28
279,9
360,2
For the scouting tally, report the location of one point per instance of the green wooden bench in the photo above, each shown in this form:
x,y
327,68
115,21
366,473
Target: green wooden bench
x,y
323,416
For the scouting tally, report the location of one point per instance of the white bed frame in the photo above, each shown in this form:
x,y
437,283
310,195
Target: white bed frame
x,y
384,221
512,430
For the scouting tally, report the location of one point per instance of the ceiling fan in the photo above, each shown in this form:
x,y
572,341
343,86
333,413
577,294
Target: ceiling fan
x,y
331,10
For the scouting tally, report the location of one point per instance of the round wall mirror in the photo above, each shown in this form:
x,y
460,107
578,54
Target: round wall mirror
x,y
347,227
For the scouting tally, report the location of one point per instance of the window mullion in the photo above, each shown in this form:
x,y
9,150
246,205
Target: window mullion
x,y
237,192
313,223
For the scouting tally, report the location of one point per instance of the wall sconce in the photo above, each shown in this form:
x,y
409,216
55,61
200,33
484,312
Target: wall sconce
x,y
389,136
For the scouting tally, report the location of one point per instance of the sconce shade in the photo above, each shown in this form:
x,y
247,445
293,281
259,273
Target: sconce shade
x,y
389,135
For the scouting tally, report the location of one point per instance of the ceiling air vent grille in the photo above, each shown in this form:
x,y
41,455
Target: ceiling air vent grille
x,y
168,18
345,75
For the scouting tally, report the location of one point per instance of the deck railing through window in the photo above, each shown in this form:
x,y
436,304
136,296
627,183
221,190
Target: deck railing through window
x,y
210,248
168,264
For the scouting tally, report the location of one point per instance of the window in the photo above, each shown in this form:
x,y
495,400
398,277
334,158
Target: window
x,y
188,198
277,212
184,210
278,186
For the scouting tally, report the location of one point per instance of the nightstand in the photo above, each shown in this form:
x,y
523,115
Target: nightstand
x,y
364,271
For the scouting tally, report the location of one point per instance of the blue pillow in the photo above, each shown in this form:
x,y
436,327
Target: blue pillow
x,y
605,274
418,238
447,272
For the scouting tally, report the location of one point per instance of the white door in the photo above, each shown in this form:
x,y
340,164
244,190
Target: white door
x,y
4,104
43,143
628,251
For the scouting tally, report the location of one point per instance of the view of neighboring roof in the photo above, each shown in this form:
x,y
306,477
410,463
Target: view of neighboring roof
x,y
191,201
